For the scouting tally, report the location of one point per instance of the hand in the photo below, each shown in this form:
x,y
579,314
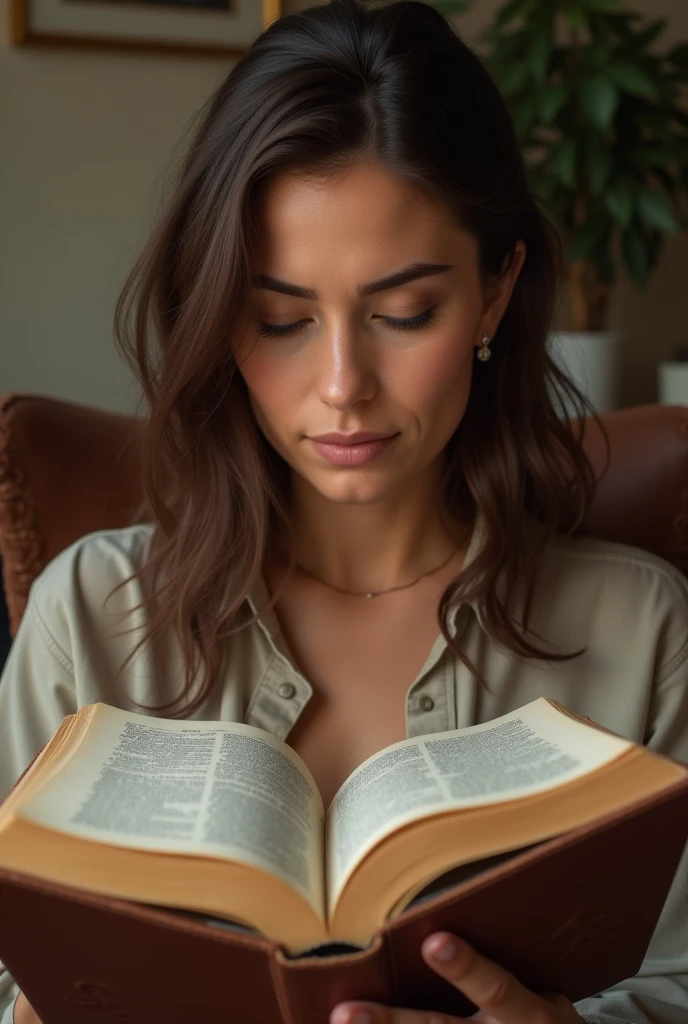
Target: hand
x,y
23,1011
501,998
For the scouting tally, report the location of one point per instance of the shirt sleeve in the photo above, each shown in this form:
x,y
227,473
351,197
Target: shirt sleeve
x,y
658,993
36,691
8,1015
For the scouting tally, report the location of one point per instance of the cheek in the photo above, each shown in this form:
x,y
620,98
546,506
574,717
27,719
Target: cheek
x,y
268,387
438,378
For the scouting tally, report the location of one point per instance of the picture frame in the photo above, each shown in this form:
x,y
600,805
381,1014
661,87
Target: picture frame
x,y
195,27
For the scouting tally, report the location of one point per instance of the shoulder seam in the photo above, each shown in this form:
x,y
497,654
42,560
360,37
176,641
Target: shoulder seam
x,y
50,641
669,571
107,532
671,666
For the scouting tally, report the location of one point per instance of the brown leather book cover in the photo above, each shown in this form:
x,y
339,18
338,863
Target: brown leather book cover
x,y
559,915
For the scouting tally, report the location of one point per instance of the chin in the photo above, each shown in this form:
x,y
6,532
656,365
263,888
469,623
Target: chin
x,y
352,491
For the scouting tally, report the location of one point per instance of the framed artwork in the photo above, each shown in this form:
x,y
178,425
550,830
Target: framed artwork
x,y
179,26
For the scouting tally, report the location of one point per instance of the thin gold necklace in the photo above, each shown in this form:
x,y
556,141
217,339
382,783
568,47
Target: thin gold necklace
x,y
369,594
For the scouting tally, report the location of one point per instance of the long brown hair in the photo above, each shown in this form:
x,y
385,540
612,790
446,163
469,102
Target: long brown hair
x,y
318,90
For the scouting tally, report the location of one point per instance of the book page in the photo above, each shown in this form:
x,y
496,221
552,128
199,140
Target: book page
x,y
524,752
221,789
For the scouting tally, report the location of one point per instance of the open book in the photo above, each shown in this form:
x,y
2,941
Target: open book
x,y
224,819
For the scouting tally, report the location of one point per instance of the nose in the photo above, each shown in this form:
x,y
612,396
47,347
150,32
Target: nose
x,y
347,368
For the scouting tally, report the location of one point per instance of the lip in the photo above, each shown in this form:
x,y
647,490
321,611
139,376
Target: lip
x,y
358,438
351,455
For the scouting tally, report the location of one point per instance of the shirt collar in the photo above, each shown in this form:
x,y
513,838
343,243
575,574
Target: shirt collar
x,y
531,534
476,544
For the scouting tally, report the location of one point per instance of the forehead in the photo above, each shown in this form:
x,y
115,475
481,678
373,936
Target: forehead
x,y
362,206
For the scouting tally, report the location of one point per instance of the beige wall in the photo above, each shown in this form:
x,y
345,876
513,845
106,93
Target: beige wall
x,y
86,140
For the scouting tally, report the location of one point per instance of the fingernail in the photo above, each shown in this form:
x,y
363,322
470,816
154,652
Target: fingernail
x,y
442,949
342,1015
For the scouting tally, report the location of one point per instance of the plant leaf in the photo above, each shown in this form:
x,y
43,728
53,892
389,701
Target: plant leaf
x,y
552,100
598,163
577,16
564,162
657,212
546,186
636,253
539,53
524,114
597,54
653,156
619,200
632,79
540,29
512,10
588,237
505,46
605,263
599,98
510,77
666,180
653,30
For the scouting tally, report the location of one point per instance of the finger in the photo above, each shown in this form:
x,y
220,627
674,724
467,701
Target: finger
x,y
494,990
376,1013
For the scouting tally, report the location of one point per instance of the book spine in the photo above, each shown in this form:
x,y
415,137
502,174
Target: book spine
x,y
309,987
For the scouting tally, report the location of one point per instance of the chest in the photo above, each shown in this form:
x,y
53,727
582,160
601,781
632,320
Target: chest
x,y
360,656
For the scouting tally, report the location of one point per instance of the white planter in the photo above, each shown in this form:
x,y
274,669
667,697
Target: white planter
x,y
591,359
672,383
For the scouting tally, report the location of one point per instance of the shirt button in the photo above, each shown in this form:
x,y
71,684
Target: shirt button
x,y
426,703
286,690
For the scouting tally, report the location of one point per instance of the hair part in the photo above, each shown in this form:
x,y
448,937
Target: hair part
x,y
318,91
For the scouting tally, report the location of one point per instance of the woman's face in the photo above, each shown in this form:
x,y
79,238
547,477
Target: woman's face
x,y
340,358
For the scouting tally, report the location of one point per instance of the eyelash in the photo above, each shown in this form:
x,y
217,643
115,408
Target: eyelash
x,y
415,323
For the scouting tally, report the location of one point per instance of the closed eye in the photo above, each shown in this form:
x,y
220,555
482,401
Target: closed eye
x,y
414,323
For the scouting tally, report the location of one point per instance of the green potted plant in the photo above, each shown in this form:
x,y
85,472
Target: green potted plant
x,y
601,114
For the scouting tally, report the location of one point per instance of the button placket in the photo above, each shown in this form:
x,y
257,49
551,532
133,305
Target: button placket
x,y
278,701
430,700
431,708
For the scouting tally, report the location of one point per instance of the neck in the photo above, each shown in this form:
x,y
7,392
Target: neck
x,y
372,546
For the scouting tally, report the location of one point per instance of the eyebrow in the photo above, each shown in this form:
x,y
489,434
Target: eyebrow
x,y
410,273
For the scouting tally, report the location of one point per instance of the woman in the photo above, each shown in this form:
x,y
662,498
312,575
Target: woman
x,y
352,248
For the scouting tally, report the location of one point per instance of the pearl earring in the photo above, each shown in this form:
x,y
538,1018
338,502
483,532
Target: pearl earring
x,y
484,352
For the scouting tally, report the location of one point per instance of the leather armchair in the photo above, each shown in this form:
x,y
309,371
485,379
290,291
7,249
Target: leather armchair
x,y
69,469
65,470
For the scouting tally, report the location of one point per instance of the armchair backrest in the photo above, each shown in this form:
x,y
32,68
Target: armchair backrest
x,y
65,470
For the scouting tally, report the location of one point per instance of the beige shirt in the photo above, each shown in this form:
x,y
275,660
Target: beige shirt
x,y
627,607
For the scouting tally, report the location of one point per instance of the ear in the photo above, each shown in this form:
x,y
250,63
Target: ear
x,y
498,294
